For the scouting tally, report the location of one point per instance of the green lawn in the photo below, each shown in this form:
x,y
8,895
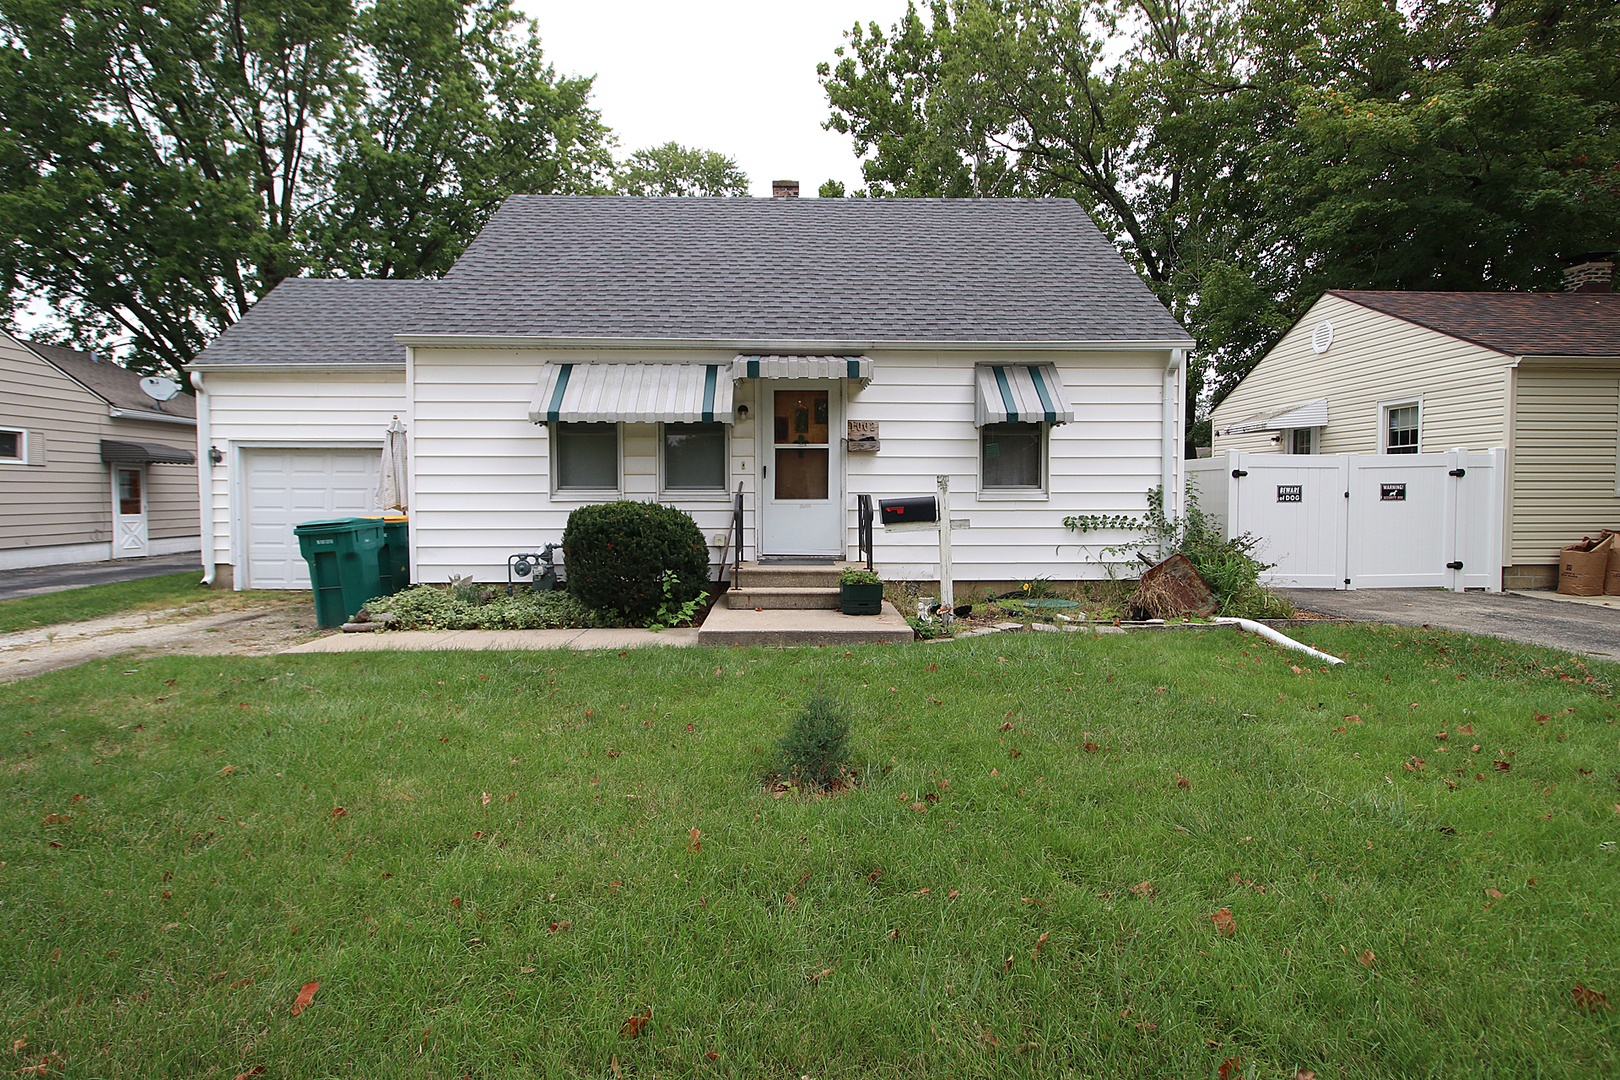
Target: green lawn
x,y
147,594
488,863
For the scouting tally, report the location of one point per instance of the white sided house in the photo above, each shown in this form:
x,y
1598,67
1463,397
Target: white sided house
x,y
92,466
801,352
1403,373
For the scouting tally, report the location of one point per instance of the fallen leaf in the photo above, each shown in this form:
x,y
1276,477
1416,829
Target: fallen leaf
x,y
1494,894
876,873
1224,922
1229,1067
1304,1074
1005,727
815,977
952,895
931,667
711,1055
1297,670
1502,766
893,934
1440,735
1145,890
696,844
1353,719
18,1044
1182,782
1090,747
1588,1000
631,1028
337,812
484,798
305,996
1006,967
1040,943
226,771
1367,958
1541,718
257,1070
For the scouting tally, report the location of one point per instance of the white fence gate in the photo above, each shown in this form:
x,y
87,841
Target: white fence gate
x,y
1363,521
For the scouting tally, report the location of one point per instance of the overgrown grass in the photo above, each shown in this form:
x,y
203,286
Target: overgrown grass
x,y
148,594
488,862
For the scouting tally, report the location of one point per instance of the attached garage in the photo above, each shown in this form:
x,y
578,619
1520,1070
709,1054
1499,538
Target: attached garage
x,y
283,488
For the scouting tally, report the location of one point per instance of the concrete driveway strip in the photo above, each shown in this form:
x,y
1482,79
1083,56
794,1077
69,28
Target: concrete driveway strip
x,y
1591,628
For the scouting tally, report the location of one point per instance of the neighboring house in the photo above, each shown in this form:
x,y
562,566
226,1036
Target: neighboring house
x,y
589,349
91,467
1537,374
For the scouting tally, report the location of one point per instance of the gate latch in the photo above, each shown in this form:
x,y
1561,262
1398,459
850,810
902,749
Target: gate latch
x,y
1453,566
1239,473
1458,472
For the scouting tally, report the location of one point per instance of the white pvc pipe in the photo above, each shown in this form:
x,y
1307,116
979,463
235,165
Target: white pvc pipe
x,y
1281,639
205,479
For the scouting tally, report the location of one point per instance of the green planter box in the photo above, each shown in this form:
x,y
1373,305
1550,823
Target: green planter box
x,y
860,599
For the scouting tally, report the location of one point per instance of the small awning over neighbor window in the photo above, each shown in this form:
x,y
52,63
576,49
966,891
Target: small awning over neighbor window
x,y
802,367
1020,394
1311,414
633,394
114,451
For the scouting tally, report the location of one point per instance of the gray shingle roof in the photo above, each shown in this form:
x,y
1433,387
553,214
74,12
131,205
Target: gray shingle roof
x,y
117,386
794,269
1518,324
321,320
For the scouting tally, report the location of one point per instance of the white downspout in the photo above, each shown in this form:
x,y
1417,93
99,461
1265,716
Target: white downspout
x,y
1169,444
205,480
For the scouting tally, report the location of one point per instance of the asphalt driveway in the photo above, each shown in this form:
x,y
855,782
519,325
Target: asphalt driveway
x,y
37,580
1590,626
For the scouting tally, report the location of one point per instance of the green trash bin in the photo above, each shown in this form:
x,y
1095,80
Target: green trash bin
x,y
344,557
396,554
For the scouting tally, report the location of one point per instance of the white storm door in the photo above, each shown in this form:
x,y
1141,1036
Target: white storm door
x,y
802,471
129,512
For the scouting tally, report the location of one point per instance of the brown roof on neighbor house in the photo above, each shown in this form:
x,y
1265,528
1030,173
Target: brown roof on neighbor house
x,y
116,385
1519,324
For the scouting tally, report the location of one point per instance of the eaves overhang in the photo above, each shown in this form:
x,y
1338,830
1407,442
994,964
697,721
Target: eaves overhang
x,y
762,345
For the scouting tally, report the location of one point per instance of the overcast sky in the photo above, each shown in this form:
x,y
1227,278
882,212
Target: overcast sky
x,y
737,77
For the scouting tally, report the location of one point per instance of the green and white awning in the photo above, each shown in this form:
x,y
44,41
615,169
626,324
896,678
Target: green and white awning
x,y
763,366
1020,394
633,394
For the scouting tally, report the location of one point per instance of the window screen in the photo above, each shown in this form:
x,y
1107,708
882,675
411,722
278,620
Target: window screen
x,y
1010,456
694,457
587,457
1403,430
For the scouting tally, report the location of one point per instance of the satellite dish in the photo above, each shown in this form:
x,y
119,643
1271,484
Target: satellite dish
x,y
158,388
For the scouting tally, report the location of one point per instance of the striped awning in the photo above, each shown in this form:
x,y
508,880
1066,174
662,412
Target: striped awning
x,y
801,367
119,452
633,394
1020,393
1311,414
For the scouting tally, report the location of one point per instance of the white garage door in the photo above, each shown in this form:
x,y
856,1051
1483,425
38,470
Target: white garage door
x,y
289,487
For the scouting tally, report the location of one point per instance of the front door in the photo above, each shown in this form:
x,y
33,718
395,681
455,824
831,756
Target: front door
x,y
129,511
802,474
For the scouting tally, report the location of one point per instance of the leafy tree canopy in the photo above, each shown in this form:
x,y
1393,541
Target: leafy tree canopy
x,y
673,169
1247,154
165,163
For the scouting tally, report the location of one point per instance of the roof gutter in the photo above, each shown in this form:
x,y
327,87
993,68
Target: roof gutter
x,y
162,418
758,345
282,366
205,478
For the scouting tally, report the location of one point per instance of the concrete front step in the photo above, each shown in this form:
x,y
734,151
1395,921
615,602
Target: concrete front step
x,y
813,626
787,576
783,598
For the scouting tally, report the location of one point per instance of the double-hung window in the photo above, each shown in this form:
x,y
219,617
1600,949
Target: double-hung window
x,y
1401,434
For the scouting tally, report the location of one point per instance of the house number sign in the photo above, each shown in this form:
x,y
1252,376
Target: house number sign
x,y
1392,492
863,436
1290,493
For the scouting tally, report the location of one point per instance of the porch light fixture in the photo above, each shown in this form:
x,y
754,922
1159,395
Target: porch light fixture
x,y
742,413
215,455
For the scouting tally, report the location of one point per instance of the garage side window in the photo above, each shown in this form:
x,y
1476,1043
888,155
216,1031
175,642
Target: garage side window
x,y
1401,434
586,457
694,457
1010,457
11,445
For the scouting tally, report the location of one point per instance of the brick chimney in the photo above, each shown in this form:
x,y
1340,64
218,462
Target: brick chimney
x,y
789,189
1593,272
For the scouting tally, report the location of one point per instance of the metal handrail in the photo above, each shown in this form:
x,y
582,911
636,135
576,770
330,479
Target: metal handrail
x,y
863,527
737,532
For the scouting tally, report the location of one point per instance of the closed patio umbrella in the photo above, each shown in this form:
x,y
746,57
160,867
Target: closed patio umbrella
x,y
391,489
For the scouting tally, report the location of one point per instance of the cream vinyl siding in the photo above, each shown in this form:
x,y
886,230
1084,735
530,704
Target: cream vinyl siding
x,y
1564,458
311,409
483,469
1375,359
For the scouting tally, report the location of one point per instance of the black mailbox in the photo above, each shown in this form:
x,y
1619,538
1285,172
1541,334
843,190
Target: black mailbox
x,y
921,508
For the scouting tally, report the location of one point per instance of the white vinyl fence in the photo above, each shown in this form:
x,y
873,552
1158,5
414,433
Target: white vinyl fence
x,y
1363,521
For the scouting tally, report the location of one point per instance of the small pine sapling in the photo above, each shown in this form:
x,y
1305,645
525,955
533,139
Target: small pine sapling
x,y
816,749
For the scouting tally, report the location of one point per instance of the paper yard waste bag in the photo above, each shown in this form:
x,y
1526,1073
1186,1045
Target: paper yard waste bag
x,y
1582,567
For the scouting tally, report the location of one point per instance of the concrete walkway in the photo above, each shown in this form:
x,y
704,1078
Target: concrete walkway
x,y
1589,625
38,580
481,640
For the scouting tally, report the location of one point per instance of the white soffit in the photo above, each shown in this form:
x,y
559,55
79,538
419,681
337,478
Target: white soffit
x,y
633,394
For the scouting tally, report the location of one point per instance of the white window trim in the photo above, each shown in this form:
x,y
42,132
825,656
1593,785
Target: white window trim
x,y
718,494
585,495
1384,408
1008,494
22,446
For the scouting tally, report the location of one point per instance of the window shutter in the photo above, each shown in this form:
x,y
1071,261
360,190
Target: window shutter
x,y
36,448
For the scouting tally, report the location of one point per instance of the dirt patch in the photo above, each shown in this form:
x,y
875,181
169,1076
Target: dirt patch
x,y
258,631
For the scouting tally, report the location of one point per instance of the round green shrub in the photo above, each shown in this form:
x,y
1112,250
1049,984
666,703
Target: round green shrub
x,y
615,556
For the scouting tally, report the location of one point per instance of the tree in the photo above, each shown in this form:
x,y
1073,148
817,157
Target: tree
x,y
163,164
1247,154
673,169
